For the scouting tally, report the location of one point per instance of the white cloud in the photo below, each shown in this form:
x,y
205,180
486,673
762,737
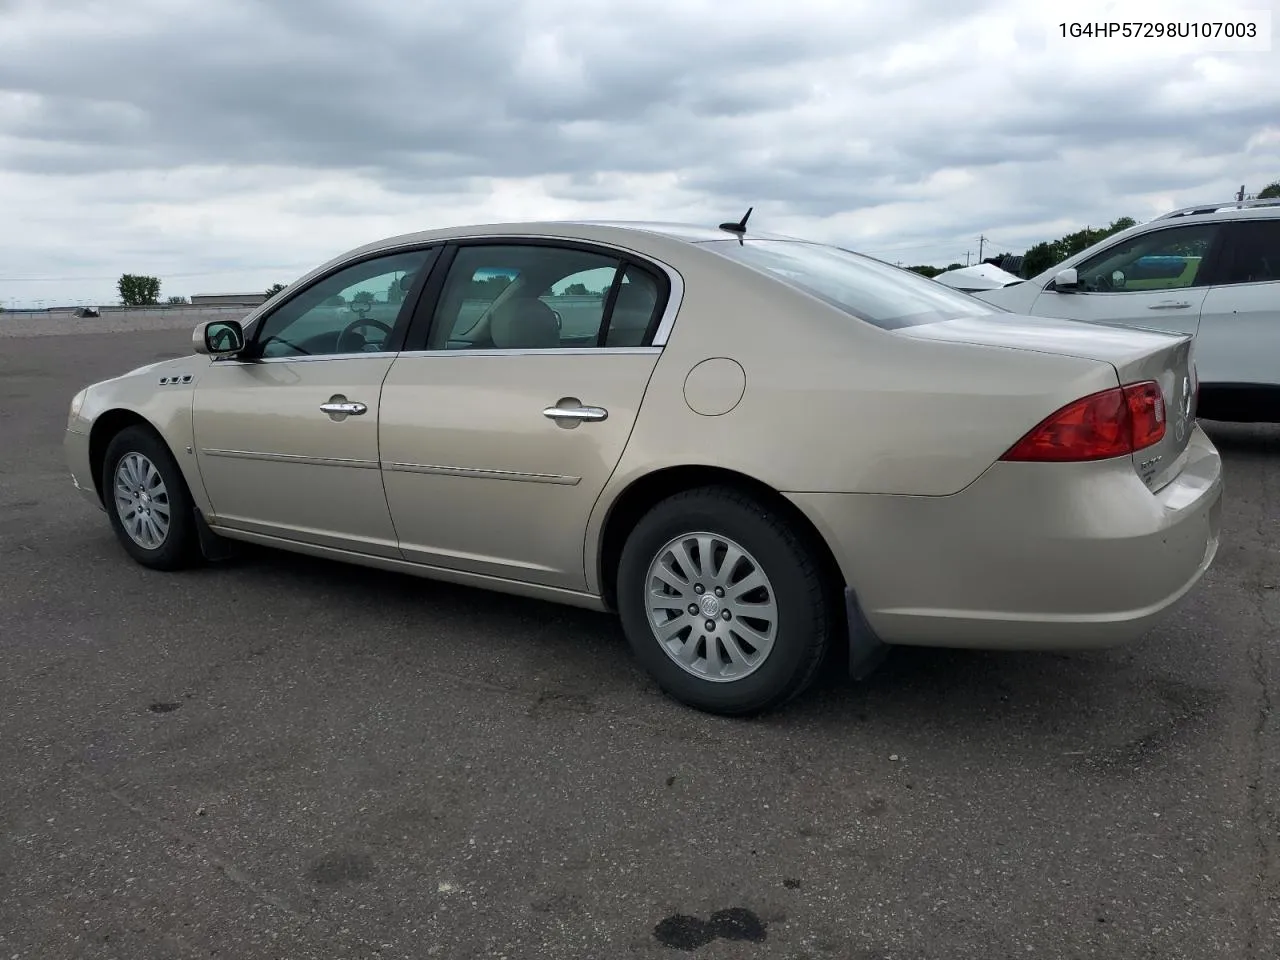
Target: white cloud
x,y
231,145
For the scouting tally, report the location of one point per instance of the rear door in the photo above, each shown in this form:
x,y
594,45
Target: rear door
x,y
1156,280
1239,340
512,403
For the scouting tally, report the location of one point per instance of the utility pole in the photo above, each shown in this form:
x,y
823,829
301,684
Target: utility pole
x,y
982,241
967,255
1240,195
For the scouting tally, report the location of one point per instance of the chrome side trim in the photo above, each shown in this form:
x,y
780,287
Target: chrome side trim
x,y
482,474
290,458
536,352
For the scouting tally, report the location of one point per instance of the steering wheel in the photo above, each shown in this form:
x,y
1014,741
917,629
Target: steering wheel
x,y
356,325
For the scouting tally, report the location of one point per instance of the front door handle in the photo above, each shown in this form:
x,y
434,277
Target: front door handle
x,y
339,408
1170,305
577,414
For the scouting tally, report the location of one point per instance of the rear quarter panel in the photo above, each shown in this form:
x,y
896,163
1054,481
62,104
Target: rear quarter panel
x,y
832,404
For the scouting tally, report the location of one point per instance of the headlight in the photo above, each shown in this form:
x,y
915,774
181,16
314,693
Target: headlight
x,y
76,403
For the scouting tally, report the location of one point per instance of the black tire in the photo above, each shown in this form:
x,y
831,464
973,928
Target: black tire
x,y
181,546
805,620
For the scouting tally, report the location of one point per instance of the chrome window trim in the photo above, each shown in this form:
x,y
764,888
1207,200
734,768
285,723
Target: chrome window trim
x,y
535,352
674,299
309,358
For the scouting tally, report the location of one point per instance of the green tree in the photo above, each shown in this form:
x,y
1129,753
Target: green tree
x,y
176,300
364,296
576,290
1045,255
1270,192
925,270
274,289
138,291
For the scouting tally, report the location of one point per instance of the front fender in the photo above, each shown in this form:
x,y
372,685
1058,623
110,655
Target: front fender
x,y
160,395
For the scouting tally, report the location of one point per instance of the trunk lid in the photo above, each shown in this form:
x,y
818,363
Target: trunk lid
x,y
1136,355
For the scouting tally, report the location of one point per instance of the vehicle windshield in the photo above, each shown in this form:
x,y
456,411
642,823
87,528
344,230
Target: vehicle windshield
x,y
888,297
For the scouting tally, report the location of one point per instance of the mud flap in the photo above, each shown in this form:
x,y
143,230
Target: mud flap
x,y
866,651
212,546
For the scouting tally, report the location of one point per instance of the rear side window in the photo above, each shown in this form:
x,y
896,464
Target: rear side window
x,y
1255,252
888,297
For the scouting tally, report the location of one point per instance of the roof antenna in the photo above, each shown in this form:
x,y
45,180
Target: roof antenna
x,y
740,227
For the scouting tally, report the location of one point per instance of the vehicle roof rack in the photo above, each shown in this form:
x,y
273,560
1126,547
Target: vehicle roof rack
x,y
1215,207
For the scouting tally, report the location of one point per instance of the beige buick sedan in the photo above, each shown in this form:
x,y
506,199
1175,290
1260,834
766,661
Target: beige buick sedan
x,y
756,450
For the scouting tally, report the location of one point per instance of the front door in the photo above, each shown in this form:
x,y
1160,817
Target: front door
x,y
498,437
1155,280
287,442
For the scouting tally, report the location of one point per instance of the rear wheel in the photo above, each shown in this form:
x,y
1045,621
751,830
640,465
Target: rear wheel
x,y
147,500
723,603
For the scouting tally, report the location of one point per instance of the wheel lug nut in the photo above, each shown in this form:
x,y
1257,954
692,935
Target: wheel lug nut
x,y
693,608
726,615
719,591
697,588
711,624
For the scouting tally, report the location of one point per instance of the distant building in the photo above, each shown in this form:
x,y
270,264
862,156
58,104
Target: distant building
x,y
228,299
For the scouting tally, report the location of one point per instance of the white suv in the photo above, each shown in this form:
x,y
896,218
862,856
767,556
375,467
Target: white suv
x,y
1212,270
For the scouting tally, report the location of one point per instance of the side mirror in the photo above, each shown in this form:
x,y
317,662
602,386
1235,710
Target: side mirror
x,y
1066,281
218,338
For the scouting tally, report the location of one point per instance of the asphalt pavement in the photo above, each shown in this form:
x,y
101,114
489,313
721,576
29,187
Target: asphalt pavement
x,y
287,757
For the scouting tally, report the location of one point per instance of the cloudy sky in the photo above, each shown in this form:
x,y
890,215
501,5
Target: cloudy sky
x,y
227,145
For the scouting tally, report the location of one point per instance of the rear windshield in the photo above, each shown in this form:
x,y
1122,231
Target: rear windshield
x,y
889,297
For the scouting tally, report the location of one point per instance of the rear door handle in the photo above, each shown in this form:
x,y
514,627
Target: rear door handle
x,y
576,414
1170,305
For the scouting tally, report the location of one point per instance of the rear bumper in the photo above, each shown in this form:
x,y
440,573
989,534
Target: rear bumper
x,y
1030,556
75,448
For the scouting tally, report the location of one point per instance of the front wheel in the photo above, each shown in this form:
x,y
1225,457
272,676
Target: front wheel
x,y
723,603
147,500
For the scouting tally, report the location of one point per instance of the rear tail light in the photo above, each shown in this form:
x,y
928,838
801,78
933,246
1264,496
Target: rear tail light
x,y
1113,423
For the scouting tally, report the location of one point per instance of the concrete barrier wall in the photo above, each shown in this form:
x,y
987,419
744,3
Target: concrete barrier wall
x,y
165,316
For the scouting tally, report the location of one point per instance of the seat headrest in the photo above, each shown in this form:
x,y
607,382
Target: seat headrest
x,y
524,324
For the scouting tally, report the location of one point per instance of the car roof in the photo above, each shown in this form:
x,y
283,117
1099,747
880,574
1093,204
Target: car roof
x,y
1226,210
587,230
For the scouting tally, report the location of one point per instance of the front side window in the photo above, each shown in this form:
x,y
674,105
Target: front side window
x,y
353,310
888,297
1160,260
1255,254
523,297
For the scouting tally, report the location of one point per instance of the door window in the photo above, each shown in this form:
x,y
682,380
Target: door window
x,y
1159,260
354,310
1255,256
536,296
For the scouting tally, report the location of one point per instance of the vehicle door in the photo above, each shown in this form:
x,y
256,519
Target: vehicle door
x,y
287,434
512,403
1239,340
1157,280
